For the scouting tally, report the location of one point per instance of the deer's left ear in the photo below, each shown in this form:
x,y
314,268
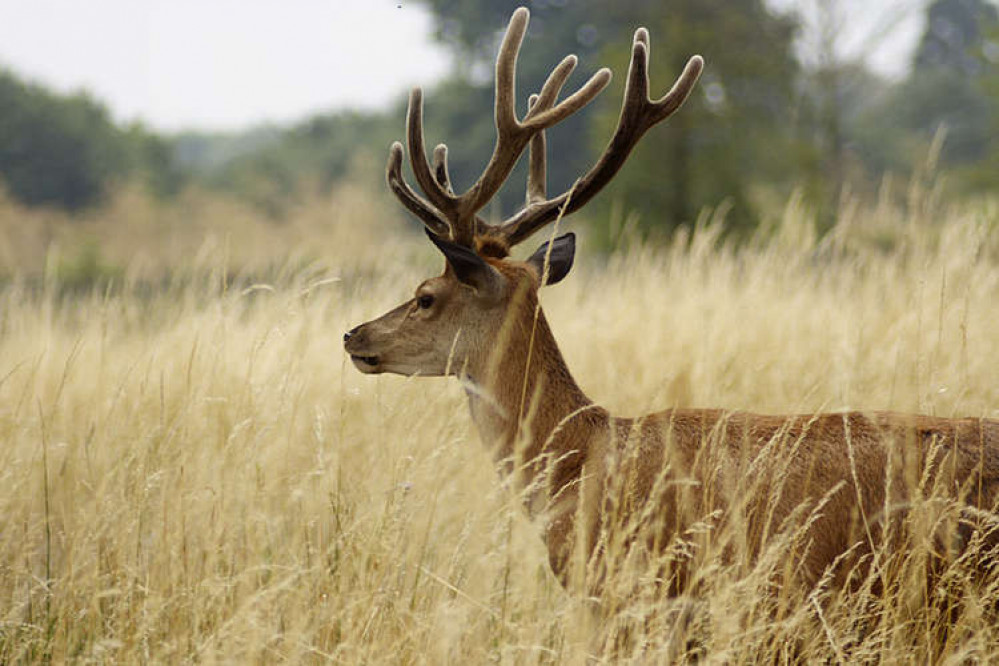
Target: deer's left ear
x,y
469,267
553,265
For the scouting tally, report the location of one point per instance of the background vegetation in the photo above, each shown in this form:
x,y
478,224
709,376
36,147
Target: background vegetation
x,y
191,470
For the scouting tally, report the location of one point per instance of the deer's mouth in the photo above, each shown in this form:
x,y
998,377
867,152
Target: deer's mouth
x,y
365,363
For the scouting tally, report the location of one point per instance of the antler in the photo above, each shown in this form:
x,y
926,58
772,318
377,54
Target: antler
x,y
458,212
638,114
447,214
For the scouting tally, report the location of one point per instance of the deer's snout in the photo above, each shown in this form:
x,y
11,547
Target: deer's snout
x,y
355,344
355,340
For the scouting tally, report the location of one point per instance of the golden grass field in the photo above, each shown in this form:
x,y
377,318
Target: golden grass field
x,y
192,470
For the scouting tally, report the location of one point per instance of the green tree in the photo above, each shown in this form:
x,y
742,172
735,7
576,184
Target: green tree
x,y
984,175
271,168
733,135
56,150
948,86
152,158
65,151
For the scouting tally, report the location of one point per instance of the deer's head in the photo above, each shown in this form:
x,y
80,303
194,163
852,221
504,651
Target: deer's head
x,y
457,317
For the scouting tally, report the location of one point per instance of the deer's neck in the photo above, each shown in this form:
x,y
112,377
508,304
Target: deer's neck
x,y
528,409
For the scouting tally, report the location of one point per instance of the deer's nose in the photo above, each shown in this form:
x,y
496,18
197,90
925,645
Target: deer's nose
x,y
349,334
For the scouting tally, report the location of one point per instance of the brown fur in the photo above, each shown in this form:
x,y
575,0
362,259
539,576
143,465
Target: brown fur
x,y
842,480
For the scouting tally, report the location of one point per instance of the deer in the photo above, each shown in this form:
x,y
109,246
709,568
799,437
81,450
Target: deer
x,y
839,482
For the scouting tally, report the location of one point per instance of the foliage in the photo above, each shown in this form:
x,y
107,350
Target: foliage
x,y
151,160
136,240
204,152
733,132
954,33
948,91
946,86
981,177
65,151
55,150
274,169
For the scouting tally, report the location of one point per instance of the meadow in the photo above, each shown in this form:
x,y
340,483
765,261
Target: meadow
x,y
192,470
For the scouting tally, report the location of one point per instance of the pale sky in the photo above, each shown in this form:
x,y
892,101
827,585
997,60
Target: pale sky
x,y
883,34
233,64
221,64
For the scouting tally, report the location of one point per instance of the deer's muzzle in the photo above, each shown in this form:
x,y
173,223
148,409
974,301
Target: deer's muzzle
x,y
353,343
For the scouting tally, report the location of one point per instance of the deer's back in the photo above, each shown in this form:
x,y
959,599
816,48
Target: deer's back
x,y
847,475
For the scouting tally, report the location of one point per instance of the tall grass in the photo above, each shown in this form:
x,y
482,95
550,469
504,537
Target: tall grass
x,y
196,472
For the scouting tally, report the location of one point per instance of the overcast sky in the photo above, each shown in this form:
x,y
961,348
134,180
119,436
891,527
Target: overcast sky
x,y
222,63
232,64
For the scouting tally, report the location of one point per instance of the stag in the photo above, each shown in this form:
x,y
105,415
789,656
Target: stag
x,y
603,484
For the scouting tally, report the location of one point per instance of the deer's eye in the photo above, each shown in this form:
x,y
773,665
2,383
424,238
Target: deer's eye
x,y
424,301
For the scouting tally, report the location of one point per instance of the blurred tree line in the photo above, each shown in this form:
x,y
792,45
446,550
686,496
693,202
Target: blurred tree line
x,y
270,166
762,122
65,151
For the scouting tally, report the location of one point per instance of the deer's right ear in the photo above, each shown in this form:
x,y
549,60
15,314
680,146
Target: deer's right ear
x,y
468,266
557,260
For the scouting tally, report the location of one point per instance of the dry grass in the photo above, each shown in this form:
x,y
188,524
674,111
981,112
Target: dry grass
x,y
196,472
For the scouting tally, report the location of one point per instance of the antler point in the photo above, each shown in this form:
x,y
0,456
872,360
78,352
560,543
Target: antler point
x,y
393,166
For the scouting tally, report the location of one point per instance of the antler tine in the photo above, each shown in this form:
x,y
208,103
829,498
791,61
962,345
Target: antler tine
x,y
510,140
413,202
572,103
438,195
537,168
668,104
552,87
441,174
638,114
506,70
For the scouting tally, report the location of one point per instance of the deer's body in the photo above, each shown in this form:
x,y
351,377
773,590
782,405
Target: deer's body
x,y
578,465
761,470
693,462
840,480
